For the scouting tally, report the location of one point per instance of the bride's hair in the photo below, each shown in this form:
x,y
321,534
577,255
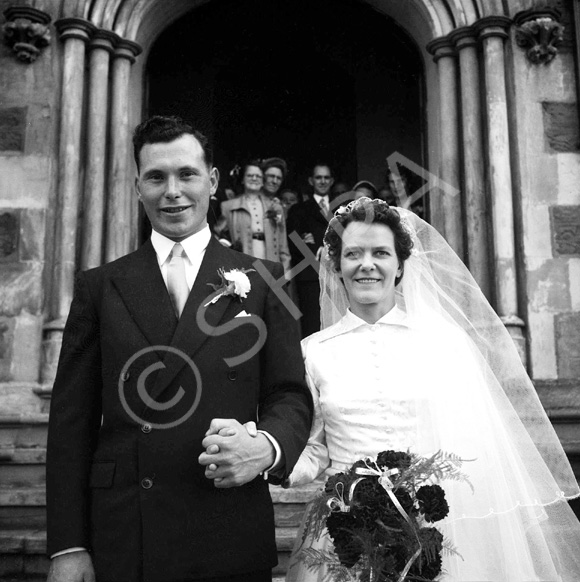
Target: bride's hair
x,y
370,212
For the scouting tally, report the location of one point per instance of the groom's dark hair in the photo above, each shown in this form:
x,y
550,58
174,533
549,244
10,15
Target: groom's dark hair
x,y
370,212
163,129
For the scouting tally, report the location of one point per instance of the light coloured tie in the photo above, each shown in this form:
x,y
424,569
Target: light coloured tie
x,y
324,206
176,281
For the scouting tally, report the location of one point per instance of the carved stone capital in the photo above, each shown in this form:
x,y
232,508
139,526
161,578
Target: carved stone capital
x,y
104,39
492,26
540,33
463,37
127,49
26,31
75,28
440,48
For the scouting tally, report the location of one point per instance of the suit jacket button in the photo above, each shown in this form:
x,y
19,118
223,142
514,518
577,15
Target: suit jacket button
x,y
146,428
126,375
232,375
146,483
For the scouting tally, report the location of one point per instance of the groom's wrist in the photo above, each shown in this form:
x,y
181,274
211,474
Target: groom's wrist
x,y
275,460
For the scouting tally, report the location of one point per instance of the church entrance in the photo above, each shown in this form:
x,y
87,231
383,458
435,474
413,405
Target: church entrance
x,y
306,80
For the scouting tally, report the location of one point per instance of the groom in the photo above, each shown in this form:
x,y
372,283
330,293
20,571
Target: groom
x,y
151,474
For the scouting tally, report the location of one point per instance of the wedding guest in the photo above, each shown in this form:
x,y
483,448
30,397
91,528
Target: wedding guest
x,y
256,223
309,220
288,198
364,188
412,357
338,189
275,171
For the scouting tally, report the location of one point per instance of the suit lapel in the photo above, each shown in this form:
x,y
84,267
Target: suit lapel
x,y
145,295
189,336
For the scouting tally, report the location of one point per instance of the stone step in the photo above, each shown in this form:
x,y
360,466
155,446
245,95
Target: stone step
x,y
22,475
22,517
31,494
22,497
22,553
22,431
21,541
22,456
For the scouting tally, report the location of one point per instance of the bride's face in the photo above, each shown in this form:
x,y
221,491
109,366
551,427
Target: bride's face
x,y
369,267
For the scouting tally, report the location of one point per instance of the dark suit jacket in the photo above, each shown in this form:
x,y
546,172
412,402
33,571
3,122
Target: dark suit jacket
x,y
303,218
123,479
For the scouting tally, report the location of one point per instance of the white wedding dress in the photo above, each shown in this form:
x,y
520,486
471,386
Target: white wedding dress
x,y
403,385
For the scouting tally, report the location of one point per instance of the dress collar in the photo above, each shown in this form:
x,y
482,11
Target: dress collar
x,y
193,245
350,321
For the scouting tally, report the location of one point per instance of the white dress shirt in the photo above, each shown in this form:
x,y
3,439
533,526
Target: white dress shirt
x,y
194,247
318,199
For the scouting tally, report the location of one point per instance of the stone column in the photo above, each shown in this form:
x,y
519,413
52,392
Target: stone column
x,y
74,33
101,48
492,33
476,217
119,215
444,55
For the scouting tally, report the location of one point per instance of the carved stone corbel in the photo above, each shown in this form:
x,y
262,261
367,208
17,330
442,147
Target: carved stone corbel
x,y
26,31
540,33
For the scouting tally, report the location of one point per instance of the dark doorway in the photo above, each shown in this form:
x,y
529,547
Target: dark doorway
x,y
306,80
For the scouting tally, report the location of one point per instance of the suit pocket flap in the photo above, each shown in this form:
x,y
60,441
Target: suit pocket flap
x,y
102,474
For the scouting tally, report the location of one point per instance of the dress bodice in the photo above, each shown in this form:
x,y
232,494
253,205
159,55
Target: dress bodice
x,y
367,383
365,405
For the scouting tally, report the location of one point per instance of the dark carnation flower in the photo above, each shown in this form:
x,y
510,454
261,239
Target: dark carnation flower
x,y
427,569
394,460
366,517
340,528
432,502
404,499
368,490
332,482
431,537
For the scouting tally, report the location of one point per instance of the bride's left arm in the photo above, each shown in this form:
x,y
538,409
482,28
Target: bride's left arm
x,y
314,458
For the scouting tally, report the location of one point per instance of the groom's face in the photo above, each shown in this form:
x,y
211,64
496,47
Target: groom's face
x,y
175,185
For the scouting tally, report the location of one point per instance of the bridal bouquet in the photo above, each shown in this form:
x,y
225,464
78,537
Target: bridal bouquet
x,y
379,515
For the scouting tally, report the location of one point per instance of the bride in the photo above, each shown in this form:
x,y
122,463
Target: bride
x,y
412,357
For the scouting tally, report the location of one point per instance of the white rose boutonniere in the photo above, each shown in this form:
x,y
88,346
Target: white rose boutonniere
x,y
234,282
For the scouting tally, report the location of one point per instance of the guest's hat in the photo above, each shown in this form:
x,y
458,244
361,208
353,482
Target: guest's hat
x,y
275,163
365,184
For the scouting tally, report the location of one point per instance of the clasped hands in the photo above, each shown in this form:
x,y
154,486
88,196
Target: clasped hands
x,y
234,453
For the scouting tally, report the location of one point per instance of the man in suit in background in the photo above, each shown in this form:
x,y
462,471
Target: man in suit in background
x,y
151,474
309,220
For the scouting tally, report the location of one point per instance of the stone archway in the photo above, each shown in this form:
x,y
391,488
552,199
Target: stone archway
x,y
304,89
458,39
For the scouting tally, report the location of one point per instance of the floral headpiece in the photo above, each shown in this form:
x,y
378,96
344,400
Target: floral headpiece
x,y
364,202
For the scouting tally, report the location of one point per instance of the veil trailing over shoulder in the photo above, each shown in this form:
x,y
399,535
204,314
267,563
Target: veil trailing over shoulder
x,y
481,405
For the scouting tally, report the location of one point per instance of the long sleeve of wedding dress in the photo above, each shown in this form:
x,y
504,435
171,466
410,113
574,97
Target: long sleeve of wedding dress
x,y
314,459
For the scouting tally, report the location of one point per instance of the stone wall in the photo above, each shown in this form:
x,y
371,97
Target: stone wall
x,y
548,164
28,125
